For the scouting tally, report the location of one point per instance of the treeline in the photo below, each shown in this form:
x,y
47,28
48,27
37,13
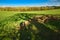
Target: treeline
x,y
28,8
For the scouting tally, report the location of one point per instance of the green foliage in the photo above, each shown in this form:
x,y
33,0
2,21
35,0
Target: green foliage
x,y
35,31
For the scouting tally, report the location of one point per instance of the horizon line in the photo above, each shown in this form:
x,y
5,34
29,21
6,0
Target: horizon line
x,y
29,6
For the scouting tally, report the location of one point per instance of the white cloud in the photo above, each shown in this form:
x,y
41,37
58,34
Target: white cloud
x,y
55,0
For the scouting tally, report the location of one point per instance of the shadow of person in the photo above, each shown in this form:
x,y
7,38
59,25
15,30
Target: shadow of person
x,y
25,33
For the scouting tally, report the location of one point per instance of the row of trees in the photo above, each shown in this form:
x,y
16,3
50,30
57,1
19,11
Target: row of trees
x,y
28,8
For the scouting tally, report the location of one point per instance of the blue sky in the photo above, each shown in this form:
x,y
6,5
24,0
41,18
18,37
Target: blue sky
x,y
29,2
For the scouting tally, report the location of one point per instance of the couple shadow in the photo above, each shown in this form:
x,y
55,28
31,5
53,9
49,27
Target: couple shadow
x,y
43,32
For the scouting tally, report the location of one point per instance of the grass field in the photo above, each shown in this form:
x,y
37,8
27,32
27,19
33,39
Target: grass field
x,y
10,20
4,14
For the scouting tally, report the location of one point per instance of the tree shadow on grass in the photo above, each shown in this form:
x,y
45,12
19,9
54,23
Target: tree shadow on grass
x,y
55,23
45,33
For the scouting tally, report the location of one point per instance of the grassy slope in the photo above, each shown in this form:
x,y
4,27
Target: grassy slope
x,y
55,11
11,19
4,14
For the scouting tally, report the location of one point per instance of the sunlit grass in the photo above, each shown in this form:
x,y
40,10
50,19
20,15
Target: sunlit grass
x,y
10,20
4,14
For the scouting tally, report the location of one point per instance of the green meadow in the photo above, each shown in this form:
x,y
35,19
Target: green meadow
x,y
4,14
10,20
